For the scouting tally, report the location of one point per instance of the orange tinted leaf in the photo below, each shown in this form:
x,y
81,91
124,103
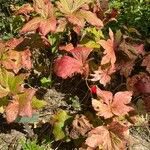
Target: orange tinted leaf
x,y
102,109
12,61
108,105
109,52
25,9
32,25
95,137
20,105
103,75
67,47
91,18
43,7
76,20
111,137
15,60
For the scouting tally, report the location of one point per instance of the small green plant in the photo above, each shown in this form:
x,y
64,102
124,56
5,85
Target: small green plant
x,y
32,145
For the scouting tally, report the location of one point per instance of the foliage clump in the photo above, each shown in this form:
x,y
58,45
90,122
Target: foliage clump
x,y
81,39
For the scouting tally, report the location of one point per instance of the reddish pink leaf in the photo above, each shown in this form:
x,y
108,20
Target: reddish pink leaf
x,y
26,59
67,66
109,52
146,63
109,105
47,25
12,110
13,43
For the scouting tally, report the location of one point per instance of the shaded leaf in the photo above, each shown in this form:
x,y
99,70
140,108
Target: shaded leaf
x,y
139,84
80,126
146,63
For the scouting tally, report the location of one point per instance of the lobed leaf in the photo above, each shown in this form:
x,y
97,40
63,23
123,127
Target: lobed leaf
x,y
67,66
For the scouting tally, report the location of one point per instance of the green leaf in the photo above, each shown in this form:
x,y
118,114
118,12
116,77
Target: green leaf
x,y
9,83
92,44
15,81
37,104
46,81
60,119
4,101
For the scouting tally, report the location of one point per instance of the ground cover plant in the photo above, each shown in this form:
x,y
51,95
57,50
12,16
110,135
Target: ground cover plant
x,y
74,74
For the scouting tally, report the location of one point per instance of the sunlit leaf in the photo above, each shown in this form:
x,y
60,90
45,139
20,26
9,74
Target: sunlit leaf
x,y
59,124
